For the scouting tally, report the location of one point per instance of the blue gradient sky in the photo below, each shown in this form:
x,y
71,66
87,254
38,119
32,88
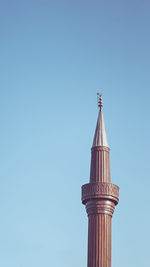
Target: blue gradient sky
x,y
54,56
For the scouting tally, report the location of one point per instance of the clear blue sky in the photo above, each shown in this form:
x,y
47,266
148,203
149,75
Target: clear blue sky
x,y
54,56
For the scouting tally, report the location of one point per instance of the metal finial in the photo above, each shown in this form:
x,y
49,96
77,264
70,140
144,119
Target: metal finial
x,y
99,101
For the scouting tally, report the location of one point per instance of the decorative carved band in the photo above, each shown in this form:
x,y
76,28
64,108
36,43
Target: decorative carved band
x,y
100,191
101,148
100,206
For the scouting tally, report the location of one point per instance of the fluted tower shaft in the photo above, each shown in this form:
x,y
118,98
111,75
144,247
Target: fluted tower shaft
x,y
100,198
100,167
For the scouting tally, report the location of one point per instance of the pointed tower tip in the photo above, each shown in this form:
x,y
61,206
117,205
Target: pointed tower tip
x,y
100,138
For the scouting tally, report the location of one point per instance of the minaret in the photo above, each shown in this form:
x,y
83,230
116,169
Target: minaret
x,y
100,198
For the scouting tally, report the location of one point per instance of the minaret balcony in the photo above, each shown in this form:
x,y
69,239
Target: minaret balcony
x,y
99,190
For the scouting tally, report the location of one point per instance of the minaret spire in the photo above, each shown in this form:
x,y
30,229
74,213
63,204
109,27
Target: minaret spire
x,y
100,138
100,198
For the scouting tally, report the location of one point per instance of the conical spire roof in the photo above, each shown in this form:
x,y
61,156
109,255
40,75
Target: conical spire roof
x,y
100,138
